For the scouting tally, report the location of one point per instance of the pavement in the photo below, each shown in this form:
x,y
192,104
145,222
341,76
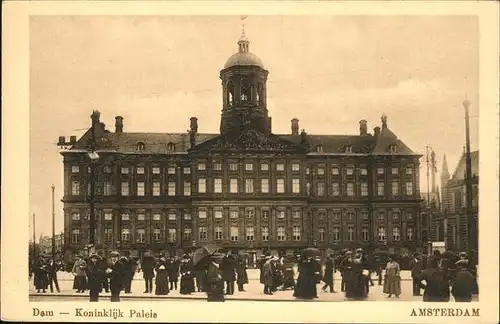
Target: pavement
x,y
253,291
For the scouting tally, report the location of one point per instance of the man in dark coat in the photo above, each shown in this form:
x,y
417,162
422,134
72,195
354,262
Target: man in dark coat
x,y
463,284
436,288
416,274
52,268
41,279
228,268
329,272
118,275
94,277
345,270
129,272
173,272
103,265
147,265
213,283
241,272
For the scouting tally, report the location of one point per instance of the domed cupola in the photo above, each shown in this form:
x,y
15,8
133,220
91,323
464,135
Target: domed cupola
x,y
244,91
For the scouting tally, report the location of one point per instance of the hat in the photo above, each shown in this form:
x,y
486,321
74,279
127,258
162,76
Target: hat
x,y
114,254
268,257
94,256
463,254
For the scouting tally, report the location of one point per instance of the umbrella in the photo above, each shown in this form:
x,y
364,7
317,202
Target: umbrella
x,y
200,256
311,252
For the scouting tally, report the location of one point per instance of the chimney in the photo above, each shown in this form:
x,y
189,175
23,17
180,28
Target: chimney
x,y
384,121
95,117
118,124
295,127
363,128
193,125
72,140
62,141
376,131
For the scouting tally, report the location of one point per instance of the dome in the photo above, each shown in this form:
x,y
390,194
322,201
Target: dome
x,y
245,59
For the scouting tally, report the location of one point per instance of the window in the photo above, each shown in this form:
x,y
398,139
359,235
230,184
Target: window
x,y
336,234
265,234
75,188
280,213
321,171
202,214
409,188
380,170
363,171
233,185
125,191
409,233
381,216
171,216
265,213
393,148
156,188
264,167
308,171
349,171
336,216
295,167
171,169
281,233
233,166
280,167
350,234
280,185
233,214
381,233
75,169
409,216
156,216
125,170
171,188
319,148
201,167
218,213
264,185
140,188
140,170
250,233
321,189
394,171
335,171
249,185
141,146
249,213
296,233
202,233
335,189
234,233
365,234
187,216
125,235
248,166
296,214
218,233
156,170
409,170
75,216
350,216
125,216
186,170
75,236
364,215
308,188
321,214
296,186
141,235
350,189
217,166
218,185
202,185
395,188
187,188
141,216
396,234
348,149
108,235
187,234
395,215
380,188
172,235
156,234
106,186
321,234
107,169
108,216
364,189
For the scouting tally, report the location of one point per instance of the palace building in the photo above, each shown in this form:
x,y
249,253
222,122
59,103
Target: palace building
x,y
245,187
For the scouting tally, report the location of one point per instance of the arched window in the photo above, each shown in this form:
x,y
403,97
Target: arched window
x,y
171,147
141,146
230,93
246,91
260,97
348,149
319,148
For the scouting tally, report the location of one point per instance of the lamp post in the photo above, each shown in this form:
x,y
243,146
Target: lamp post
x,y
53,224
471,225
34,242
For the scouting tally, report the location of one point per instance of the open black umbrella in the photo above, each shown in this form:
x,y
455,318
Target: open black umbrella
x,y
201,255
311,252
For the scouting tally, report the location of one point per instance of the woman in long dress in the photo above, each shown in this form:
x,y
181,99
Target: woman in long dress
x,y
79,270
161,281
306,282
187,277
40,280
357,275
392,282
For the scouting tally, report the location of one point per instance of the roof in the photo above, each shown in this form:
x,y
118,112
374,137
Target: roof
x,y
459,173
244,59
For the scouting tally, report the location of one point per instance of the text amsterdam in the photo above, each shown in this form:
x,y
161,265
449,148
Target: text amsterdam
x,y
115,313
445,312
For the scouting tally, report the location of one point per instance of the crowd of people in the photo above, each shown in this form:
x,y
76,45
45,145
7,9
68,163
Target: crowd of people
x,y
438,275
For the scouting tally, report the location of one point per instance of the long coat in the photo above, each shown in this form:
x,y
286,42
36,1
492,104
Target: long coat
x,y
118,276
241,272
161,281
228,267
173,271
187,277
306,282
214,285
416,268
436,287
267,274
95,276
329,271
392,282
463,286
356,281
41,279
147,266
80,281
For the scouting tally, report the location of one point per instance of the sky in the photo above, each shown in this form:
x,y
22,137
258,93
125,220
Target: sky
x,y
327,71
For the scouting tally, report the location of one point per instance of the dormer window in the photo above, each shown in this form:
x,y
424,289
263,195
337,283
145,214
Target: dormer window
x,y
171,147
393,148
348,149
319,148
141,146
